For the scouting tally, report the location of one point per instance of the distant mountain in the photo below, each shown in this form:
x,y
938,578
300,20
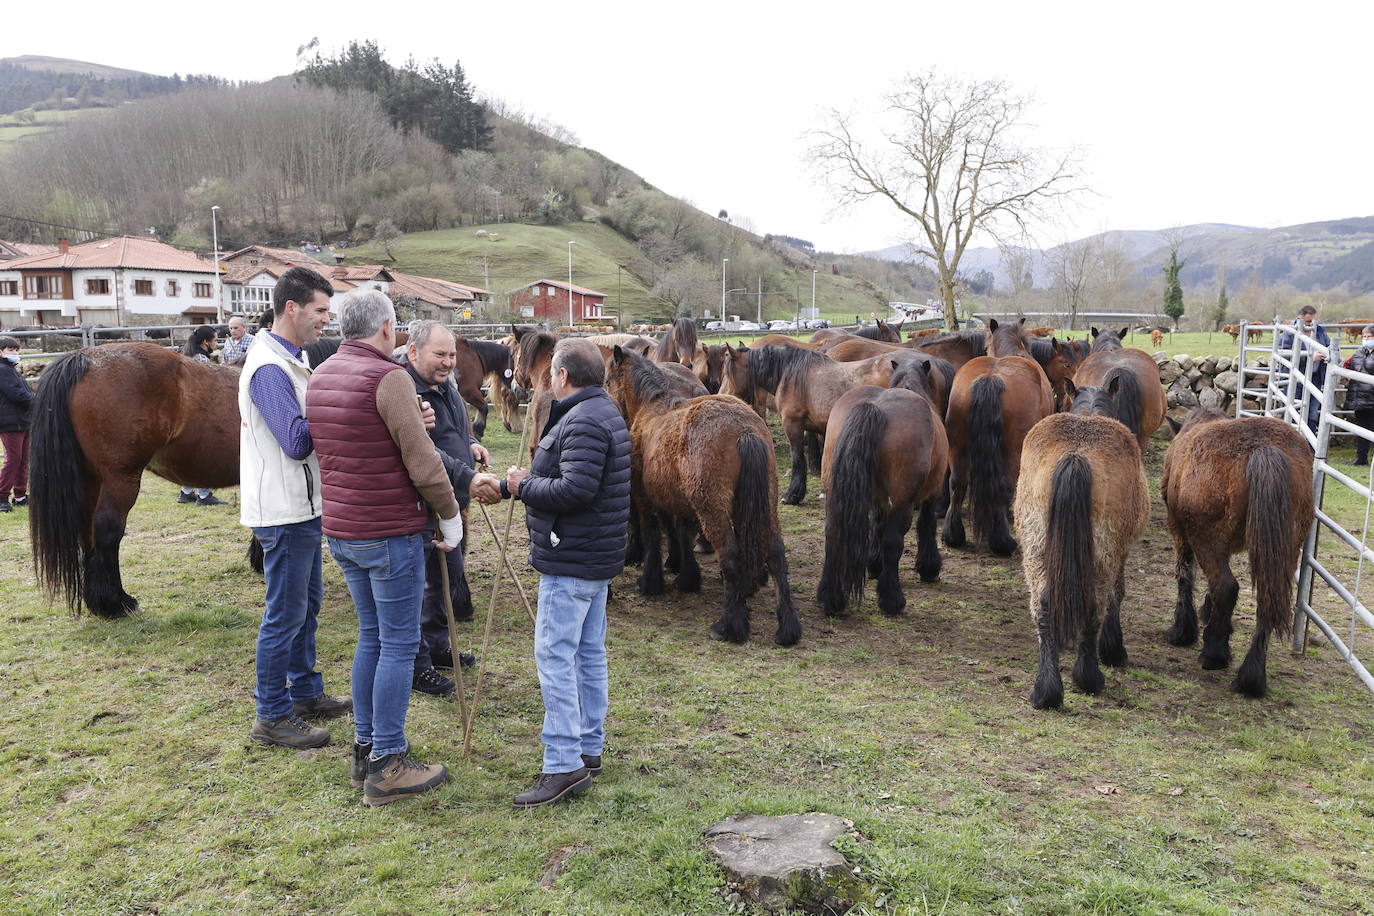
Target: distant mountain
x,y
32,81
1309,255
67,65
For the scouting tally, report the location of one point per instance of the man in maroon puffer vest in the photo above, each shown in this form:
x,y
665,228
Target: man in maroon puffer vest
x,y
380,476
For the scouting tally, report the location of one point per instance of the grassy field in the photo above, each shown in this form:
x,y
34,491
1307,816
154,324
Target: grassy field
x,y
521,254
12,129
130,785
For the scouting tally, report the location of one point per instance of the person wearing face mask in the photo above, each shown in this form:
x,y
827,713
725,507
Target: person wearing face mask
x,y
15,398
1359,396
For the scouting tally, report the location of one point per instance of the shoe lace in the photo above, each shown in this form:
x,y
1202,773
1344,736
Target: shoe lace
x,y
296,723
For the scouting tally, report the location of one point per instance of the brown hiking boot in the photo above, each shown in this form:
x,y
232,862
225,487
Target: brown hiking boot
x,y
323,707
289,731
554,787
396,776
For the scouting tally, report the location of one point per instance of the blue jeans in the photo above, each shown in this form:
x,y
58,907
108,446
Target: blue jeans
x,y
286,637
386,577
570,653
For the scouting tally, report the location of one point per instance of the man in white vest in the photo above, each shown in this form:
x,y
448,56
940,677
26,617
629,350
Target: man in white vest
x,y
280,497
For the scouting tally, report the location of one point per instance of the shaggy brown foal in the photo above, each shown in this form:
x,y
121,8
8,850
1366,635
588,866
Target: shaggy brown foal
x,y
1232,485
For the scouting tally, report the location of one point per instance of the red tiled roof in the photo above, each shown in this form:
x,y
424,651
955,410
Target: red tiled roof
x,y
427,289
125,251
560,284
23,249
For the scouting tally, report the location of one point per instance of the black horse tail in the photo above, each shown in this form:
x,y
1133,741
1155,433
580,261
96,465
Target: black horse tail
x,y
988,490
848,508
752,508
1269,538
57,515
1069,576
1127,398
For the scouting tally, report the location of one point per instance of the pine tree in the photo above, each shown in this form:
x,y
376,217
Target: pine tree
x,y
1173,292
1219,313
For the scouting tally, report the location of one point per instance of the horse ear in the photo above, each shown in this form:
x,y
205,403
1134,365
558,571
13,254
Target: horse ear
x,y
1124,331
1114,385
1054,345
1173,424
1096,332
925,366
1022,322
992,325
617,353
895,364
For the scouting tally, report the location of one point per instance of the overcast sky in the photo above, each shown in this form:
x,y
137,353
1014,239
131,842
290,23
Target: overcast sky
x,y
1186,112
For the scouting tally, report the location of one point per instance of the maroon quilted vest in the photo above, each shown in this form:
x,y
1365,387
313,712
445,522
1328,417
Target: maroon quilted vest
x,y
367,492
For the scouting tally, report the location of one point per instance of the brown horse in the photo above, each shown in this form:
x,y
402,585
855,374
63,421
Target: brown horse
x,y
995,402
479,360
1081,503
533,357
679,345
708,364
886,456
708,462
880,330
1141,404
852,349
1232,485
102,416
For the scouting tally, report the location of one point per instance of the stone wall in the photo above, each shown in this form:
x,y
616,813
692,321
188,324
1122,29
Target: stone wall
x,y
1198,381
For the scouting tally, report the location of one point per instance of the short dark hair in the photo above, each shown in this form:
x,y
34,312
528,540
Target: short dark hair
x,y
583,360
1307,310
8,343
298,285
266,318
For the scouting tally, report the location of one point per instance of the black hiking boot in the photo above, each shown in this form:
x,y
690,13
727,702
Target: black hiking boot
x,y
396,776
210,500
357,771
592,763
322,707
443,658
554,787
429,681
21,501
289,731
5,506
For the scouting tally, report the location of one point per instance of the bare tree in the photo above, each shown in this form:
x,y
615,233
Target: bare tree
x,y
1073,266
951,161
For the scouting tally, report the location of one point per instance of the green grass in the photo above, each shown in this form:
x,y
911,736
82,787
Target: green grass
x,y
523,253
130,786
12,129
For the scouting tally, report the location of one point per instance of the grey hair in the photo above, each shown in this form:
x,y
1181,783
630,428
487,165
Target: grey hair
x,y
238,318
582,359
362,313
420,331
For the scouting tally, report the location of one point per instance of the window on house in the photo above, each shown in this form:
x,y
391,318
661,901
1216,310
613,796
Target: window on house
x,y
143,287
9,287
203,291
98,287
44,286
173,289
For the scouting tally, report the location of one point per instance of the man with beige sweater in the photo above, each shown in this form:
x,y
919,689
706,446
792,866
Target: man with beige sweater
x,y
380,477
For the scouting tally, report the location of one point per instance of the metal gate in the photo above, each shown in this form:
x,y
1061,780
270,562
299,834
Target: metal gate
x,y
1280,385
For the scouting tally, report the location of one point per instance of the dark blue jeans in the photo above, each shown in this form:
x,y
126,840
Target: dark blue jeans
x,y
293,569
386,577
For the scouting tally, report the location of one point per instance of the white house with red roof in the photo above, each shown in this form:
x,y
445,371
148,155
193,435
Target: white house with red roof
x,y
119,281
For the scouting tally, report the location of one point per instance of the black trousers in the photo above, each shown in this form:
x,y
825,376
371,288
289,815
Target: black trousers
x,y
1364,416
433,620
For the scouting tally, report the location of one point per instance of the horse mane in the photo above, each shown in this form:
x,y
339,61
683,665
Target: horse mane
x,y
494,356
911,376
978,339
771,365
648,380
532,345
1094,401
612,340
680,341
1010,330
1105,340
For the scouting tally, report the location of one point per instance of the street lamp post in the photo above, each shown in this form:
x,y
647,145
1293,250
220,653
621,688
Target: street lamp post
x,y
570,310
723,262
813,292
214,242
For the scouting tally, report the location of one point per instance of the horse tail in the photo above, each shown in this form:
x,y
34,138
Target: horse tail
x,y
988,496
849,507
1269,538
752,507
1069,566
1127,399
57,516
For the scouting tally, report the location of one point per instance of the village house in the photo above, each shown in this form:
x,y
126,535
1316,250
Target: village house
x,y
126,281
548,300
249,275
441,300
10,251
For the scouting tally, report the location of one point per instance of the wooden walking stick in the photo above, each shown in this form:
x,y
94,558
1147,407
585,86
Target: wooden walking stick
x,y
453,630
505,557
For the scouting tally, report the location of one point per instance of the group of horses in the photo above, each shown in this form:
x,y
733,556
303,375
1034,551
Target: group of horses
x,y
1043,438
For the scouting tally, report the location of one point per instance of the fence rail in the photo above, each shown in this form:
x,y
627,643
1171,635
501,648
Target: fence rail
x,y
1285,388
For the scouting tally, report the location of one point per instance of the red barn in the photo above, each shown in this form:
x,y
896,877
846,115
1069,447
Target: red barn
x,y
547,300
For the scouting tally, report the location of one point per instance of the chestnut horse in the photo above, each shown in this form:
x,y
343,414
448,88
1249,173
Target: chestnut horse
x,y
709,364
1141,404
1081,503
705,461
102,416
1231,485
886,456
533,357
679,345
995,402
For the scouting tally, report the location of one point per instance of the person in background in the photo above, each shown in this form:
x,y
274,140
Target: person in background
x,y
577,495
1359,396
199,346
280,500
1306,325
430,357
266,319
379,475
236,347
15,400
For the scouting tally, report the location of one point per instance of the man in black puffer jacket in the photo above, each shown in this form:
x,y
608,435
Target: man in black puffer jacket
x,y
1359,396
577,494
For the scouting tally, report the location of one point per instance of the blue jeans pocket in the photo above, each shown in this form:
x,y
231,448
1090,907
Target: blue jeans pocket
x,y
268,537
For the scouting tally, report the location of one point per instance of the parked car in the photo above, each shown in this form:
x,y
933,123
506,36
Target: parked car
x,y
815,324
782,325
748,326
715,325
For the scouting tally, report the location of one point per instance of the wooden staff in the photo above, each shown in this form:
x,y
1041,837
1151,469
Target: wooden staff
x,y
453,630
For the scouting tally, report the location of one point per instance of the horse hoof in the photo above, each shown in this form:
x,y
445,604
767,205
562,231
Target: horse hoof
x,y
1214,661
788,635
1004,548
1048,699
1180,636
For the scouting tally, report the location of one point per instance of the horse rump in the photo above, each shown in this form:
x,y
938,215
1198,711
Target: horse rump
x,y
988,490
57,517
849,508
1069,565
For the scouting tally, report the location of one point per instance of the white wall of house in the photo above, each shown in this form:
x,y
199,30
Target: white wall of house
x,y
171,293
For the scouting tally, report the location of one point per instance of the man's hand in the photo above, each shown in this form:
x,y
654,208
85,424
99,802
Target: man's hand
x,y
450,533
427,415
1319,357
513,478
480,454
485,488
